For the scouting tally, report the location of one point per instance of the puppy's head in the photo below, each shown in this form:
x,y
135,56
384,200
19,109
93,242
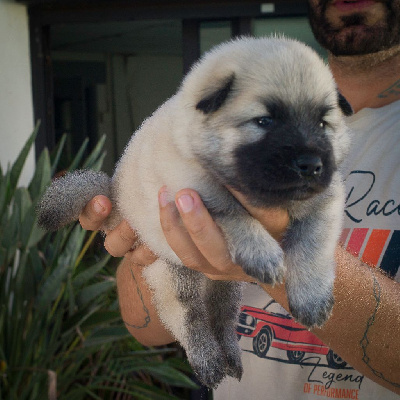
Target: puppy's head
x,y
269,120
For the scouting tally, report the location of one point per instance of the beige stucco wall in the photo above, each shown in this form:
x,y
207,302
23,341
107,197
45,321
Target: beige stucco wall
x,y
16,110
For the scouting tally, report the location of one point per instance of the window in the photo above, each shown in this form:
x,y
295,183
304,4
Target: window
x,y
109,65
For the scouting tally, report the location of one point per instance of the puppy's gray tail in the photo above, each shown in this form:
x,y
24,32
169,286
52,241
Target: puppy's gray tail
x,y
66,197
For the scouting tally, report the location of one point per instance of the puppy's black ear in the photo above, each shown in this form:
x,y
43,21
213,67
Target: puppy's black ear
x,y
344,105
214,101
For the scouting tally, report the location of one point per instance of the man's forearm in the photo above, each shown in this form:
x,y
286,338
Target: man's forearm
x,y
364,328
137,308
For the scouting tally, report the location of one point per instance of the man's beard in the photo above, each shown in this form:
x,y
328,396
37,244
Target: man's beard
x,y
344,41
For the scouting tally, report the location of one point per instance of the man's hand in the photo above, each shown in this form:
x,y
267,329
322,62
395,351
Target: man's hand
x,y
120,241
199,242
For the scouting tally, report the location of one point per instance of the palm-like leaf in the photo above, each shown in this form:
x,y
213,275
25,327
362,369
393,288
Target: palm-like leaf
x,y
60,332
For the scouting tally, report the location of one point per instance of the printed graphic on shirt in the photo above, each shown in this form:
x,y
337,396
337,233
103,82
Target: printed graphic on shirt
x,y
372,220
376,247
272,328
365,201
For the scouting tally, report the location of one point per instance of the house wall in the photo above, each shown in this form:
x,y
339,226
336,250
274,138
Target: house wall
x,y
16,109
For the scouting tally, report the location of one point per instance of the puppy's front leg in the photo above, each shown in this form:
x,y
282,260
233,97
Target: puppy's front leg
x,y
252,247
309,247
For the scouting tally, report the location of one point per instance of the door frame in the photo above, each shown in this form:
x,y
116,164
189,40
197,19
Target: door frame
x,y
45,13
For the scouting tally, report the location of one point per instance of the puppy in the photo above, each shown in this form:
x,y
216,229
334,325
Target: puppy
x,y
264,117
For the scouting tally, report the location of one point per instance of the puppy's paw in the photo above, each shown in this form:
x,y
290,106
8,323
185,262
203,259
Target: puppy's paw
x,y
210,368
311,308
261,258
234,367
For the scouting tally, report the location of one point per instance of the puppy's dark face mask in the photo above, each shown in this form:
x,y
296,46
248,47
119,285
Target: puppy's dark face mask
x,y
293,158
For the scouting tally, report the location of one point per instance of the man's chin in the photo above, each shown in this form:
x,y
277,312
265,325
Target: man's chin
x,y
352,41
357,41
355,33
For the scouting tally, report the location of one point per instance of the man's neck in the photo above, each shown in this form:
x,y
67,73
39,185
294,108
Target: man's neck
x,y
369,81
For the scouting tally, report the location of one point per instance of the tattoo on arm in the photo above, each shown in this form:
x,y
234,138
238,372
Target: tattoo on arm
x,y
145,309
393,90
364,342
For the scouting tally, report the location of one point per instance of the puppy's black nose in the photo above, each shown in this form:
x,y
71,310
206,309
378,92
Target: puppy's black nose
x,y
308,165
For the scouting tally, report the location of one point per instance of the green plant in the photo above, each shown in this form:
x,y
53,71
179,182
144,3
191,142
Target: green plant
x,y
61,335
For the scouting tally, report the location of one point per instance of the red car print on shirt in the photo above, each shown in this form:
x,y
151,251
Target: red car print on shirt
x,y
273,327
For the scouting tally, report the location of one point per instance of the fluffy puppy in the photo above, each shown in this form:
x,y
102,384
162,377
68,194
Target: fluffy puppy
x,y
264,117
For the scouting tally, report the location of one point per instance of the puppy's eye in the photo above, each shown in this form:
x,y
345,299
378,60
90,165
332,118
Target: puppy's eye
x,y
264,121
323,124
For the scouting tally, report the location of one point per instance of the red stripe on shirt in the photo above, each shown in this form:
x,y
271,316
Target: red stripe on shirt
x,y
375,245
356,240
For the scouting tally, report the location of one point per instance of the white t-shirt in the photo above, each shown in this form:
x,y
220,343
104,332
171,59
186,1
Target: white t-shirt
x,y
281,359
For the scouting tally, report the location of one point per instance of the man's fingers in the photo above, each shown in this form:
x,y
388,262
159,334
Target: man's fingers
x,y
178,237
120,240
142,255
95,212
204,232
